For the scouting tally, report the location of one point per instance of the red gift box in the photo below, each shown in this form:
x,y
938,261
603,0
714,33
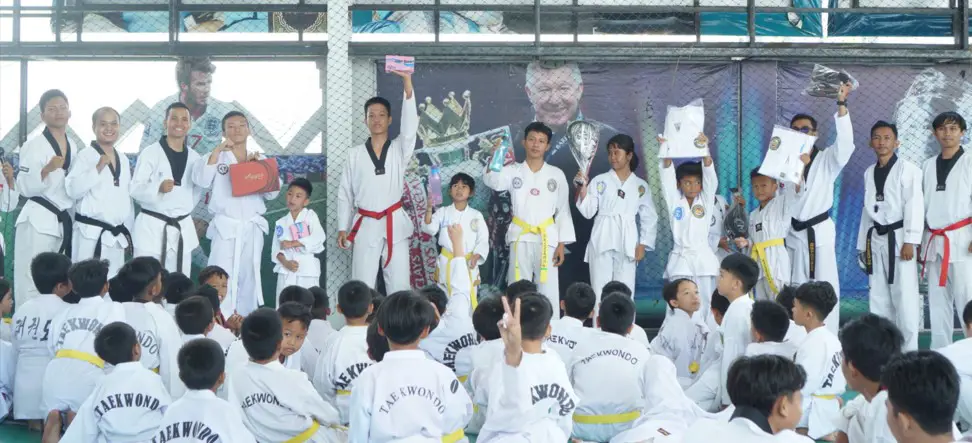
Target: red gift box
x,y
254,177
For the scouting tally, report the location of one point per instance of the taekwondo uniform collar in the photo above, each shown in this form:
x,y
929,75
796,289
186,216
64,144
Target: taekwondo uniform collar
x,y
680,313
571,321
405,354
199,394
91,300
753,416
128,366
274,364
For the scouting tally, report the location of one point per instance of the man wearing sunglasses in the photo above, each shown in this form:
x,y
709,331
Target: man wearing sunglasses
x,y
811,242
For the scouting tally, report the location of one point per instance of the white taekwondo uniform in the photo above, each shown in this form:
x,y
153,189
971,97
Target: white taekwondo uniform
x,y
44,223
31,333
682,339
370,205
236,232
475,365
9,199
736,335
8,368
280,404
783,349
455,330
894,211
615,235
72,338
533,402
738,429
160,339
768,228
126,406
343,358
945,251
960,354
717,226
317,335
812,239
565,334
820,355
475,240
200,416
692,256
868,421
163,227
541,220
603,371
408,397
308,230
104,214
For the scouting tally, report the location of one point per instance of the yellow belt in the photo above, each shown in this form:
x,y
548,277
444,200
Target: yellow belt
x,y
472,285
825,396
540,229
83,356
8,320
759,254
155,370
453,437
343,392
608,419
306,435
463,378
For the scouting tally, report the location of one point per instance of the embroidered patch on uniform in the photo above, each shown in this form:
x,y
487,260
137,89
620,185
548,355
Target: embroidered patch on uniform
x,y
534,192
678,126
641,191
212,127
454,386
517,182
775,143
222,168
698,211
700,142
474,225
279,231
662,431
551,185
759,227
600,187
678,214
620,193
24,169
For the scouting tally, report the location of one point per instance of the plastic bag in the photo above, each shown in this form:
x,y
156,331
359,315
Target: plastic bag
x,y
736,221
825,82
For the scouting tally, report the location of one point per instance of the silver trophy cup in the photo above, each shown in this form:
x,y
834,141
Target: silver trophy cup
x,y
583,137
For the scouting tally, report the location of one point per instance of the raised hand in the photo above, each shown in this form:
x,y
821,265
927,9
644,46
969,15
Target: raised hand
x,y
509,329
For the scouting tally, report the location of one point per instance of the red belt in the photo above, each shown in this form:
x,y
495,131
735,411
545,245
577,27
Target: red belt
x,y
943,277
389,225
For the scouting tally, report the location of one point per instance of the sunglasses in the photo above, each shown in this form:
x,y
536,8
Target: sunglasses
x,y
803,129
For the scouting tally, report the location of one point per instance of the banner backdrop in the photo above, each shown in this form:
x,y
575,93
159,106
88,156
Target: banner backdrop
x,y
743,102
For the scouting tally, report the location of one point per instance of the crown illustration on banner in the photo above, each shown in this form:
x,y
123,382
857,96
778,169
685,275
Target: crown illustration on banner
x,y
439,127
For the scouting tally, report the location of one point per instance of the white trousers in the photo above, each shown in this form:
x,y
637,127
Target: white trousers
x,y
825,270
706,285
609,266
762,291
367,259
705,391
284,280
900,301
28,242
943,302
528,256
67,383
244,294
83,248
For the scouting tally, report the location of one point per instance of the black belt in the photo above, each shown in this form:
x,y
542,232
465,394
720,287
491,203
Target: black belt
x,y
174,222
808,225
105,227
882,230
64,218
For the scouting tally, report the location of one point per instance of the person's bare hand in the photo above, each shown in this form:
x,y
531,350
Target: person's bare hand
x,y
558,258
166,186
342,240
639,252
510,332
908,251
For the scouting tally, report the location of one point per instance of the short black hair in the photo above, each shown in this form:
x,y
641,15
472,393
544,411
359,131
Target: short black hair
x,y
487,316
719,302
114,343
209,272
261,332
670,291
819,296
403,316
801,116
194,315
201,363
535,315
688,169
293,311
354,299
753,173
742,267
518,288
466,179
377,343
211,294
321,302
115,291
617,313
177,287
230,115
435,295
302,183
48,269
785,299
883,124
579,300
378,101
616,286
89,277
298,294
869,342
538,127
759,381
924,385
137,275
769,319
177,105
376,300
967,314
49,95
949,117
